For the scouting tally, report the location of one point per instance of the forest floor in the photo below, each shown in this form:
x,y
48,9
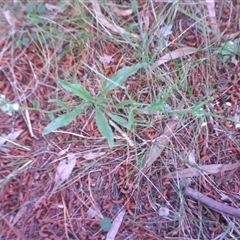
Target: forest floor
x,y
120,119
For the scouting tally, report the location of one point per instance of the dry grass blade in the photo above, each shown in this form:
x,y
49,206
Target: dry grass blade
x,y
162,141
203,170
94,212
215,205
212,14
12,21
92,155
51,7
115,226
231,36
130,142
121,12
107,24
181,52
11,136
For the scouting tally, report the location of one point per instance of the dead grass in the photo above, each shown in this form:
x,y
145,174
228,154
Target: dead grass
x,y
89,42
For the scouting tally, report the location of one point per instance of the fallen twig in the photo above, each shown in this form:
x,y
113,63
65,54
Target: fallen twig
x,y
215,205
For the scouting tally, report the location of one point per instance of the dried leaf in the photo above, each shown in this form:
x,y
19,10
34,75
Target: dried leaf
x,y
162,141
12,21
203,170
212,13
56,8
115,226
106,58
10,18
62,152
107,24
94,212
182,52
10,136
64,169
230,36
19,214
120,12
191,157
92,155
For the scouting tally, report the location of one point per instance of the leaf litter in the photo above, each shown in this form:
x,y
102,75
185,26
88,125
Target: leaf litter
x,y
64,169
116,169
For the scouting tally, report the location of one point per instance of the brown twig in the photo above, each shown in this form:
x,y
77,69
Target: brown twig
x,y
215,205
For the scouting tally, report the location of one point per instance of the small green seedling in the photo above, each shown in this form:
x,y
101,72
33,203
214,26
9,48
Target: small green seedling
x,y
230,50
106,224
8,107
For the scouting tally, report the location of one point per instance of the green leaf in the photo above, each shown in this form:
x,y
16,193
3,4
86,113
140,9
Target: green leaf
x,y
41,8
59,122
135,6
159,105
104,128
59,102
106,224
29,7
77,89
121,121
122,75
51,116
25,41
35,103
126,102
130,119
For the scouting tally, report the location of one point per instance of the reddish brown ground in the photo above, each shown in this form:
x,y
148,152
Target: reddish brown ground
x,y
113,181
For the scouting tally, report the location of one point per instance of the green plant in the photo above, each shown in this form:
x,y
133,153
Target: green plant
x,y
99,104
8,107
230,50
106,224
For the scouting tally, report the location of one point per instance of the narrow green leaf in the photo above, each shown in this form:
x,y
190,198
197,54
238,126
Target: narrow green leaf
x,y
130,119
77,89
121,121
135,6
59,122
126,102
59,102
51,116
122,75
104,128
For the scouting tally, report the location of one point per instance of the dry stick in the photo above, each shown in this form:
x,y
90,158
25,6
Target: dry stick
x,y
162,141
130,142
216,206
